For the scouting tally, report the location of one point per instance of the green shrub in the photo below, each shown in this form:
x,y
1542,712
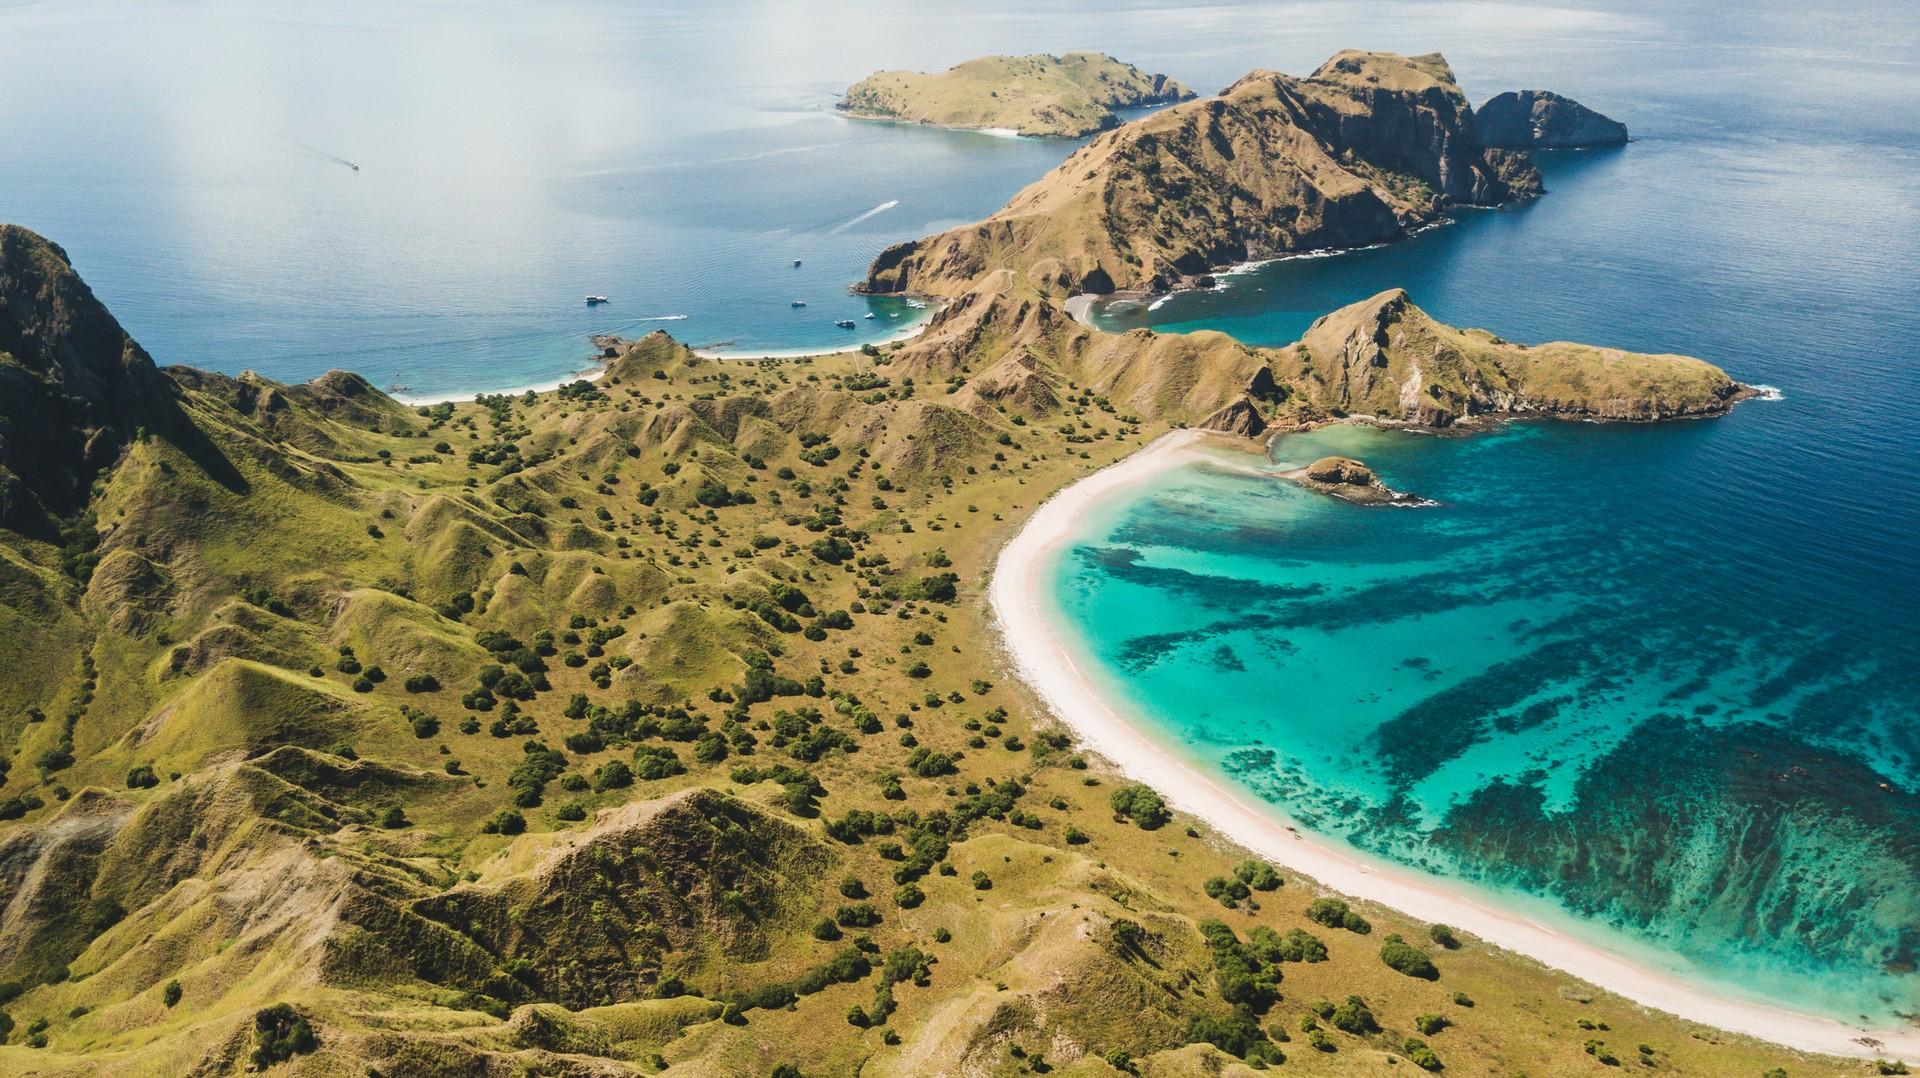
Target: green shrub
x,y
1258,875
1141,805
613,775
1400,955
279,1034
1334,913
857,915
1354,1017
1238,1034
1420,1055
505,822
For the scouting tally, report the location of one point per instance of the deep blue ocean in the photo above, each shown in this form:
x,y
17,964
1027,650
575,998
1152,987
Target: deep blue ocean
x,y
1665,678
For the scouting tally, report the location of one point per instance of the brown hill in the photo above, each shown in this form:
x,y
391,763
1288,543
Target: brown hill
x,y
1069,95
1366,149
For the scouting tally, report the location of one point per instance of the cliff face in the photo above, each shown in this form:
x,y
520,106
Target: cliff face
x,y
1069,95
74,387
1385,357
1539,120
1366,149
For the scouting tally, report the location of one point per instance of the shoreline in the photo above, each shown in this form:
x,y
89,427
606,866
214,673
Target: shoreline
x,y
904,333
599,368
1046,665
1080,305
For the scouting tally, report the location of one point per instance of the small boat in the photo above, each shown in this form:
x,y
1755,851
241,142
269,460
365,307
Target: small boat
x,y
798,303
796,263
595,301
868,315
845,323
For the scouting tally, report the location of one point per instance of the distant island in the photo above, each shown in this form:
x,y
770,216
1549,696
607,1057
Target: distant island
x,y
1369,148
1066,96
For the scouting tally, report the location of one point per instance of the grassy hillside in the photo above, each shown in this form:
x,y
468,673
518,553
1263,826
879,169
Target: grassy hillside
x,y
1068,96
656,723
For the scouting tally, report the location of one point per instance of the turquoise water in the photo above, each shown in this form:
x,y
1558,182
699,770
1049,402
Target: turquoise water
x,y
1666,678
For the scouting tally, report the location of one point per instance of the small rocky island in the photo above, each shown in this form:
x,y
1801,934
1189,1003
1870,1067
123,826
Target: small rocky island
x,y
1542,120
1350,481
1067,96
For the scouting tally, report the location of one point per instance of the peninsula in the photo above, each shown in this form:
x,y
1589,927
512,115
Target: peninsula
x,y
1066,96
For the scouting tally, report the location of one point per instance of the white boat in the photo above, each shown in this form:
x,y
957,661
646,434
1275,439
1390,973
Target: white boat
x,y
595,301
796,263
869,315
798,303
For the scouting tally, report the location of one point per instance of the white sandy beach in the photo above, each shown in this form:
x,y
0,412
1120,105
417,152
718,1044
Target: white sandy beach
x,y
1046,664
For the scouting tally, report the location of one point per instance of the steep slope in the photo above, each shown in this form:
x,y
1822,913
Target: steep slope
x,y
1068,96
1368,148
1540,120
74,388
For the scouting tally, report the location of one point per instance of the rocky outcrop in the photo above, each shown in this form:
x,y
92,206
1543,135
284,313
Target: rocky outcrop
x,y
74,388
1366,149
1540,120
1349,480
1242,417
1069,95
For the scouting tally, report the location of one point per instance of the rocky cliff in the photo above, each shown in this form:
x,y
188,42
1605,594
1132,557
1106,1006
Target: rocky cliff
x,y
1069,95
1539,120
74,388
1366,149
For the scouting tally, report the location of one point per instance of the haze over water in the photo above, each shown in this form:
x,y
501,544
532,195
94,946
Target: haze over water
x,y
1655,675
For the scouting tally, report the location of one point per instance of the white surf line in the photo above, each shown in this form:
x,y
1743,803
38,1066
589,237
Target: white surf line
x,y
1045,663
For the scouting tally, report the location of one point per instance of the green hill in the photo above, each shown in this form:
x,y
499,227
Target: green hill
x,y
654,723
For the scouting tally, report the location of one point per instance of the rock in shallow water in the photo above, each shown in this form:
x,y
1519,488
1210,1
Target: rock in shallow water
x,y
1348,480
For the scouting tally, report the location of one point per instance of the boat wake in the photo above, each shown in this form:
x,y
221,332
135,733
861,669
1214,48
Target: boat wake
x,y
874,212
